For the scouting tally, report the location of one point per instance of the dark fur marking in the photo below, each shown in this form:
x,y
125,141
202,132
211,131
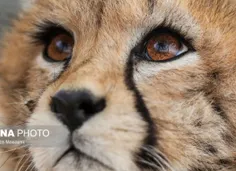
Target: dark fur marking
x,y
225,162
197,169
215,75
31,105
228,138
200,169
217,107
100,14
197,122
150,140
151,4
211,149
206,147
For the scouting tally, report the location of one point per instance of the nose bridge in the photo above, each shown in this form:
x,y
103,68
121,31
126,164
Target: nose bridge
x,y
98,76
99,60
104,66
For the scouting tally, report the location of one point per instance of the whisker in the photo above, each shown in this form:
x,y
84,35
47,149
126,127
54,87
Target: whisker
x,y
159,160
19,162
7,159
150,164
18,157
20,147
23,164
157,157
30,165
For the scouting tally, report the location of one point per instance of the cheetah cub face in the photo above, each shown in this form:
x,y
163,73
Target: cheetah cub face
x,y
132,85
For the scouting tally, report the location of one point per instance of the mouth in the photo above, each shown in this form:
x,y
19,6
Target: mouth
x,y
69,150
78,154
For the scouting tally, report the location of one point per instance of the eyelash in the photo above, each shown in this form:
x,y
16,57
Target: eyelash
x,y
46,31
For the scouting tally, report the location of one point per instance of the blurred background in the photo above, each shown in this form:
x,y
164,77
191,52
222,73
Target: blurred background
x,y
8,11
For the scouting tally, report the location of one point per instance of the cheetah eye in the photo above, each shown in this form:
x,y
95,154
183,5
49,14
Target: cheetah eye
x,y
163,46
60,48
58,42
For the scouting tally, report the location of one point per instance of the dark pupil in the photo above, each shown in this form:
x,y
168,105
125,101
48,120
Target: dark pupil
x,y
63,47
162,47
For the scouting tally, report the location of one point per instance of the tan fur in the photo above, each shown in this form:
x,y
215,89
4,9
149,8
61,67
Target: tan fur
x,y
191,100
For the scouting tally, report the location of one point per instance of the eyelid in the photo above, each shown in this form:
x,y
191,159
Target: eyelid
x,y
166,29
46,30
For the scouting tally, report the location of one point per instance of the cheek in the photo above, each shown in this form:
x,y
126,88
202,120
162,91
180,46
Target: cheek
x,y
172,96
53,69
150,70
182,113
8,164
40,75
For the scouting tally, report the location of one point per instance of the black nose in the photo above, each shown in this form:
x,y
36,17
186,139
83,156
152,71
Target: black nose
x,y
73,108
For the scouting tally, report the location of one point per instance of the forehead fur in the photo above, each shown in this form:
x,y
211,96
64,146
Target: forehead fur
x,y
214,19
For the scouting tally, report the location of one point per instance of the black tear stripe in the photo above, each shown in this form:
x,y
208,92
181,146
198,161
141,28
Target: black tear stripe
x,y
217,107
151,139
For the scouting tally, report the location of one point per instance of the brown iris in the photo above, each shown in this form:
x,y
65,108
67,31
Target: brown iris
x,y
164,46
60,48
